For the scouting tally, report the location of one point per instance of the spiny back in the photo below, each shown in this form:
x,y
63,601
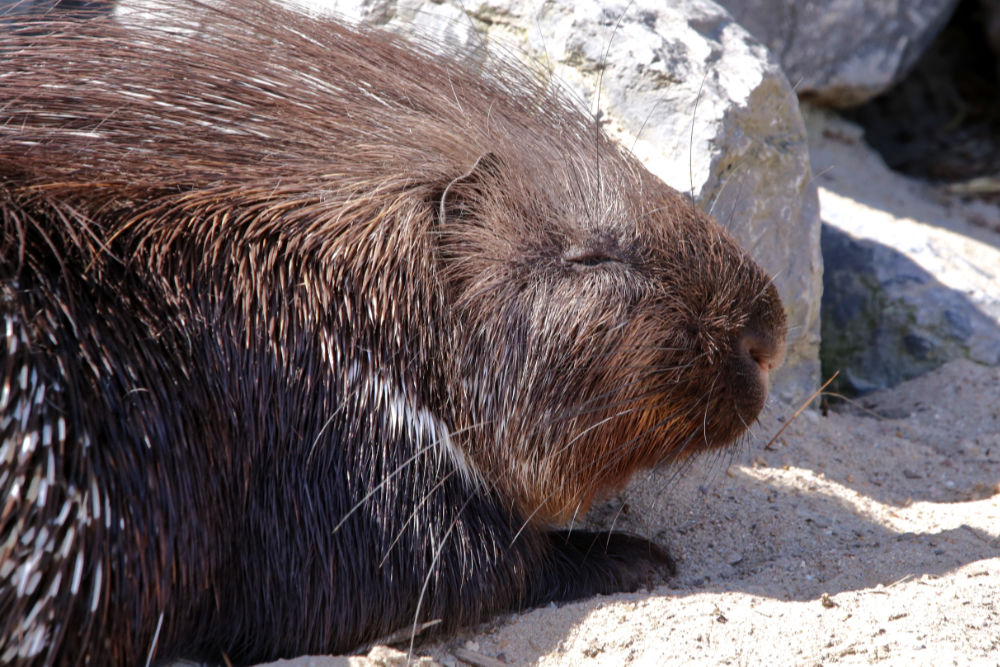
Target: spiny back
x,y
241,93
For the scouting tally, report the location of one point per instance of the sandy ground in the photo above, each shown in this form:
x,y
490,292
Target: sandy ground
x,y
867,535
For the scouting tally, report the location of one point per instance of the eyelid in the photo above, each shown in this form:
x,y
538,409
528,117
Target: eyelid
x,y
599,251
588,256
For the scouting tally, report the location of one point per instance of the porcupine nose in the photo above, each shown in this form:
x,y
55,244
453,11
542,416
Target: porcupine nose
x,y
759,349
766,348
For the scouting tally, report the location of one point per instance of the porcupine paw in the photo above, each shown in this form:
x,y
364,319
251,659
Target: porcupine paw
x,y
611,563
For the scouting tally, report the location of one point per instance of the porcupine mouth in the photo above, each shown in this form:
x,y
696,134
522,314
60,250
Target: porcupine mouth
x,y
756,354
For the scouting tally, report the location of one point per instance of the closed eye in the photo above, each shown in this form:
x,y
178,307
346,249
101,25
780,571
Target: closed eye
x,y
588,257
602,249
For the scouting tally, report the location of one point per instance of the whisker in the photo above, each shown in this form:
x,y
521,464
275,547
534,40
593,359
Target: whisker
x,y
319,434
594,426
802,407
156,639
617,451
694,116
413,514
402,466
653,374
614,521
430,572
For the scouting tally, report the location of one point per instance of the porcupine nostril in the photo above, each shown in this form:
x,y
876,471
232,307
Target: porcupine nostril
x,y
767,350
759,349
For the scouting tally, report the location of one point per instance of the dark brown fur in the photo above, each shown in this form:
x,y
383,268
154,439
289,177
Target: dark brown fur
x,y
310,335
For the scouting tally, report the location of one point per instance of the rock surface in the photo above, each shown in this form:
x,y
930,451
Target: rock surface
x,y
991,20
941,122
886,320
693,95
841,53
910,282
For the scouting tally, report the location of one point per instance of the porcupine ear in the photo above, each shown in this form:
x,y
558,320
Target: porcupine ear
x,y
456,199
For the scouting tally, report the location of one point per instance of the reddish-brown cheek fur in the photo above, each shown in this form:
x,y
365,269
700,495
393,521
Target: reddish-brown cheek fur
x,y
649,373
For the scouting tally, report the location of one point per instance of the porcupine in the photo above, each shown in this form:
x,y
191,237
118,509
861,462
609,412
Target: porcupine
x,y
311,334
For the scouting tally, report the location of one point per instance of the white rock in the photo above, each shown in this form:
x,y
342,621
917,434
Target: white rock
x,y
841,53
